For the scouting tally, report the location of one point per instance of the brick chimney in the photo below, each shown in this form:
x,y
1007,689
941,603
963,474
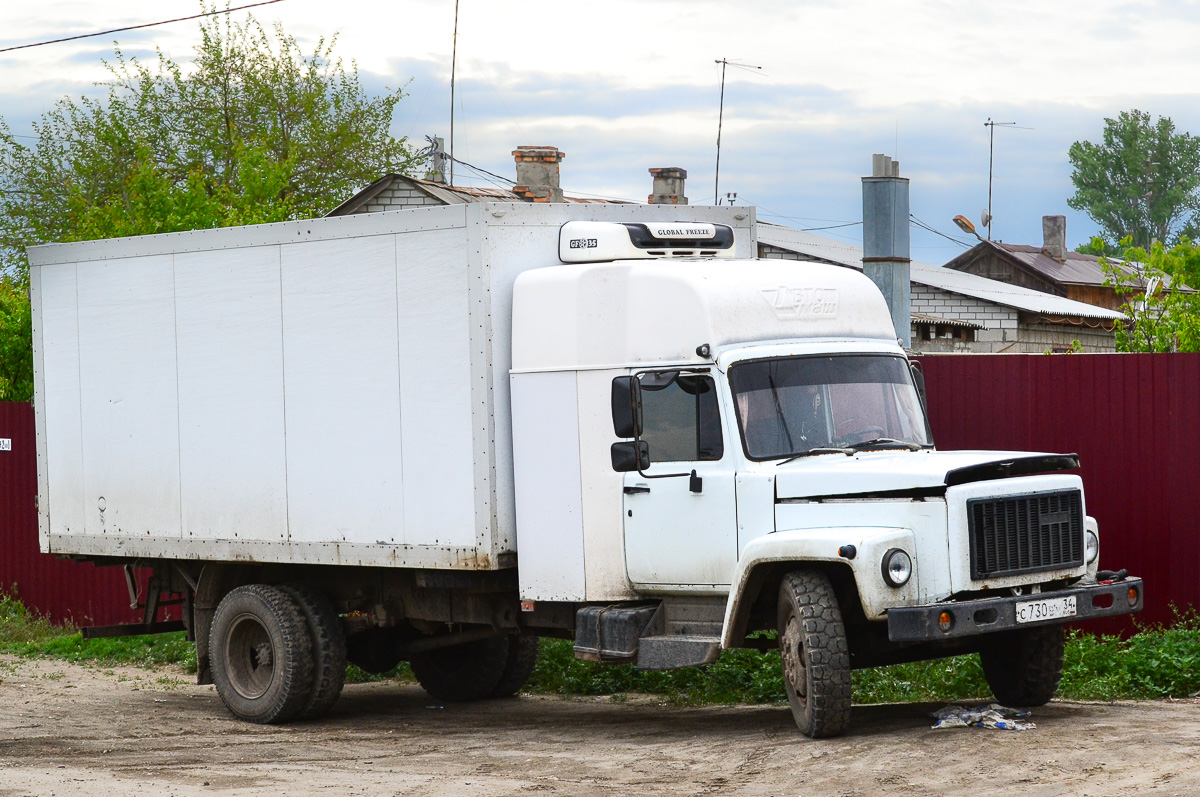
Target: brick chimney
x,y
537,174
668,186
1054,237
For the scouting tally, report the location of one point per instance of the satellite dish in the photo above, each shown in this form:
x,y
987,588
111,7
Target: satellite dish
x,y
985,219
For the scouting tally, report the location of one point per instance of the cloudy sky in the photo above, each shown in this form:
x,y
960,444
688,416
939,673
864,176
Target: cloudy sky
x,y
625,86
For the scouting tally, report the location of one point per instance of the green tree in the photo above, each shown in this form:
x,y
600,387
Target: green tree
x,y
1162,312
1142,181
254,129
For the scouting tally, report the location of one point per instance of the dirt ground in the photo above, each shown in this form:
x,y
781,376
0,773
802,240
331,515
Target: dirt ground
x,y
71,730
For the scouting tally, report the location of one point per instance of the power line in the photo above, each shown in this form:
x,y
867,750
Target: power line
x,y
927,228
831,227
768,212
137,27
481,171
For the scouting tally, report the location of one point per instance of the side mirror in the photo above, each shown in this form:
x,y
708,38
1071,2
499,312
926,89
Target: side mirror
x,y
627,407
625,457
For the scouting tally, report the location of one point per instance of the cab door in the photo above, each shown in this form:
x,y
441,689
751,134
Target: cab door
x,y
680,529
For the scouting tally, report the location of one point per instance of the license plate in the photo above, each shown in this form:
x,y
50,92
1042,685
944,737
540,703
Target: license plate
x,y
1045,609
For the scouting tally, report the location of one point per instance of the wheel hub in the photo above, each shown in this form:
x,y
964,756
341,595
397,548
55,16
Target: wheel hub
x,y
249,657
791,648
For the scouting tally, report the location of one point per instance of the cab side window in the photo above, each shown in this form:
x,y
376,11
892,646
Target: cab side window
x,y
681,422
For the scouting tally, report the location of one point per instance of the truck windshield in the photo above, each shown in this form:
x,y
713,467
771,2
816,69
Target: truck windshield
x,y
791,406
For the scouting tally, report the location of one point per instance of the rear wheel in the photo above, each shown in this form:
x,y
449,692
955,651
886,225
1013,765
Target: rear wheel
x,y
470,671
329,649
1024,667
816,659
522,658
261,654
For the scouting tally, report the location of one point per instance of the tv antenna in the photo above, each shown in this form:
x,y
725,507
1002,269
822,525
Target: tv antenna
x,y
724,62
453,64
986,216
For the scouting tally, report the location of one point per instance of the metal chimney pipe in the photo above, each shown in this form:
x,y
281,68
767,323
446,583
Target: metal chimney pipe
x,y
886,249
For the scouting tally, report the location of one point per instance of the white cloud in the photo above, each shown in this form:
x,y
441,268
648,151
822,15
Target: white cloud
x,y
623,86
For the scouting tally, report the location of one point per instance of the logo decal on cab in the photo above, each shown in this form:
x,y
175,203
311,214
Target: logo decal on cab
x,y
791,303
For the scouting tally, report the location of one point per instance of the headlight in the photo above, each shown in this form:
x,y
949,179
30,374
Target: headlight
x,y
897,567
1091,546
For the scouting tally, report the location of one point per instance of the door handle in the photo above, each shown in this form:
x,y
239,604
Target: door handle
x,y
635,489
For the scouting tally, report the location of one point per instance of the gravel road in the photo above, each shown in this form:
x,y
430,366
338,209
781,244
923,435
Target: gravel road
x,y
72,730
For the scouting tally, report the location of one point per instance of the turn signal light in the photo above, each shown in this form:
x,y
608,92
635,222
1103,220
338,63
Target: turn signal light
x,y
1133,595
946,621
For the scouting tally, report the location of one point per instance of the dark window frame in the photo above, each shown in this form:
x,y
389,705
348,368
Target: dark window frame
x,y
706,430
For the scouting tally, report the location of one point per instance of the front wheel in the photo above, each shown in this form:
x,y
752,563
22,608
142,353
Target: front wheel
x,y
1023,667
816,658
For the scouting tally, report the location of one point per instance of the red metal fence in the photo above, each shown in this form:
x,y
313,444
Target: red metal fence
x,y
1134,419
60,589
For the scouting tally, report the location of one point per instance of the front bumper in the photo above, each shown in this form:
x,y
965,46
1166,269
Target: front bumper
x,y
988,615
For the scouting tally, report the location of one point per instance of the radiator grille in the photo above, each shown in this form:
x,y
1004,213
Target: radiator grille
x,y
1025,533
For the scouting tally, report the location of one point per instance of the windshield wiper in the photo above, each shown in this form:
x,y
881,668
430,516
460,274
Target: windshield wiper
x,y
814,451
886,442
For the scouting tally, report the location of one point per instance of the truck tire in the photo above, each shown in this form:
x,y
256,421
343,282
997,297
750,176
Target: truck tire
x,y
814,653
522,658
1023,667
470,671
261,654
328,646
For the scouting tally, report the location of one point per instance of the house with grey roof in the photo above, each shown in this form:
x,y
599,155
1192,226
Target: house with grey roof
x,y
1049,268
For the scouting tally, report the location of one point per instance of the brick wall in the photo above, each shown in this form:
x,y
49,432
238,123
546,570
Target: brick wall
x,y
1039,336
1000,324
768,252
1005,329
398,196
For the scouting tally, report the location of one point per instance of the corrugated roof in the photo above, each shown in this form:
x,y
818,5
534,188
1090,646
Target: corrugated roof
x,y
923,318
1079,269
960,282
449,194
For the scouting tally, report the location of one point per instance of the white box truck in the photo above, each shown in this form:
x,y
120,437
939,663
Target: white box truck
x,y
435,435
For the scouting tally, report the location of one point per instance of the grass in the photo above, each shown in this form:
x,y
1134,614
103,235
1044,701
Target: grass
x,y
1158,662
25,633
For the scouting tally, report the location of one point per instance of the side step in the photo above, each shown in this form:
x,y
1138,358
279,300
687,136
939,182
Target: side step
x,y
641,635
674,652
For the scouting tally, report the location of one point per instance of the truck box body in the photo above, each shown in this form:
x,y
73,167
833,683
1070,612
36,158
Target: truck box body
x,y
331,391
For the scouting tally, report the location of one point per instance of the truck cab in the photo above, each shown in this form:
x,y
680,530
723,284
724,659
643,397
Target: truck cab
x,y
709,452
